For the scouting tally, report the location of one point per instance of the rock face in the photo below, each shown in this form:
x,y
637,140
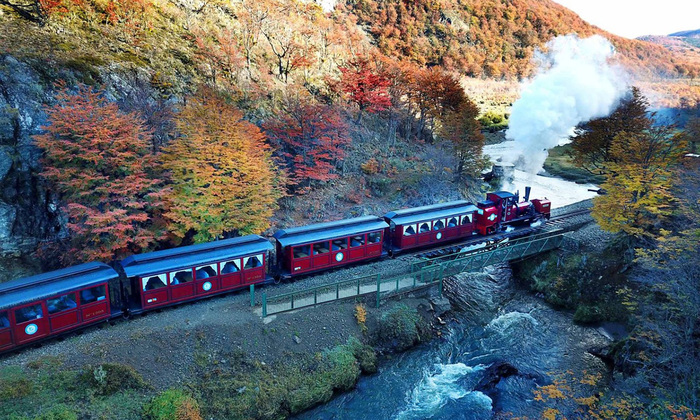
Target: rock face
x,y
26,214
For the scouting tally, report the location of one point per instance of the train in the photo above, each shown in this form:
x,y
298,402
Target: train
x,y
39,307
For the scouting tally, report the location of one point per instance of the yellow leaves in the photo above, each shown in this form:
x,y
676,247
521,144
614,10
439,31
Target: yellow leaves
x,y
591,379
551,414
224,180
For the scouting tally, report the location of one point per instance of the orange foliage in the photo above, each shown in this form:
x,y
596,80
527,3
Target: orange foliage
x,y
312,140
98,158
491,38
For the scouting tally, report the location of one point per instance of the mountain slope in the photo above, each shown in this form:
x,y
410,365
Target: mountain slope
x,y
491,37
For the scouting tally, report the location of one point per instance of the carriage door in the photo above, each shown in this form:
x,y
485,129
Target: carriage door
x,y
5,332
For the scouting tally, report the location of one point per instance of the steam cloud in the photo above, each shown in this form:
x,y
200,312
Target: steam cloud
x,y
574,84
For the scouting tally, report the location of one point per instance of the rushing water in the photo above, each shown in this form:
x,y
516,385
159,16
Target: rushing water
x,y
495,323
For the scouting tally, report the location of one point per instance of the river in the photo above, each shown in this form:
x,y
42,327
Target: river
x,y
495,322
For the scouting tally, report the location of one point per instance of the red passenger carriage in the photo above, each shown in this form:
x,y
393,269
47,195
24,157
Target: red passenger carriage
x,y
439,223
312,248
51,303
175,275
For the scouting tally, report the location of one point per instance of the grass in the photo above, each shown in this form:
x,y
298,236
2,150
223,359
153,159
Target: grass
x,y
250,389
47,390
559,163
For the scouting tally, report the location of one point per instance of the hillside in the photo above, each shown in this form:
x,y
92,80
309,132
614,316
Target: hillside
x,y
500,35
289,68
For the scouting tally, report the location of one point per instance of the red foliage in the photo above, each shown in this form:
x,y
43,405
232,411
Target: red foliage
x,y
98,158
311,139
367,88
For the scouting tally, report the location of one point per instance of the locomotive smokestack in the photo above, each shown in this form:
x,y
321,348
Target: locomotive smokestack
x,y
527,194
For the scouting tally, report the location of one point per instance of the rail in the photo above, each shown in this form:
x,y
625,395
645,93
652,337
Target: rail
x,y
424,273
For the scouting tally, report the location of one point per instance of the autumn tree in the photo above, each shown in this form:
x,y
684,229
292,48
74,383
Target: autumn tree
x,y
311,140
98,159
365,86
641,171
461,127
224,181
592,143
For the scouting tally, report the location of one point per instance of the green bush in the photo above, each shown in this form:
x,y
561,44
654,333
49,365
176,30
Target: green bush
x,y
172,404
364,354
254,390
399,328
108,378
586,314
59,412
13,384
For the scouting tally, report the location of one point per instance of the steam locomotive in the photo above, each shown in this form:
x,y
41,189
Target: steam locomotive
x,y
50,304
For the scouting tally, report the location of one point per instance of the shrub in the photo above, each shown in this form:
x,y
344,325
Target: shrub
x,y
172,404
586,314
13,384
59,412
364,354
370,167
399,328
109,378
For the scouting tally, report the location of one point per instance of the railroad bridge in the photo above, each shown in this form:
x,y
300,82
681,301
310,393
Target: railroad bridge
x,y
430,268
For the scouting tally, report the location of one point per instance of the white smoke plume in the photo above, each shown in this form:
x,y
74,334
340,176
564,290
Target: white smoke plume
x,y
574,83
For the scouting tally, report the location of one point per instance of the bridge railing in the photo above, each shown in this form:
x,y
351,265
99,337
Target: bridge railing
x,y
502,252
423,273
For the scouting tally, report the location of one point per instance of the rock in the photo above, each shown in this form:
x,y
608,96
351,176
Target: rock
x,y
8,214
493,375
25,217
5,161
440,305
603,353
297,339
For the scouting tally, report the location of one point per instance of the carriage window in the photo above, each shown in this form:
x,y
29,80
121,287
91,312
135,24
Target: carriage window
x,y
438,225
252,262
205,272
180,277
230,267
425,227
409,230
339,244
93,294
29,313
148,283
62,303
358,240
467,219
374,237
452,222
4,320
302,251
320,248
